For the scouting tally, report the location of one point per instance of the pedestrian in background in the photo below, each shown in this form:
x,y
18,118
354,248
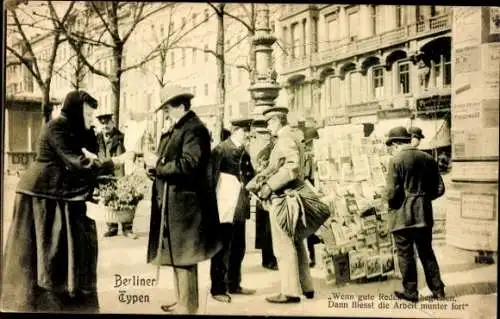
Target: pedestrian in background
x,y
50,259
184,219
413,182
111,143
310,135
416,136
260,146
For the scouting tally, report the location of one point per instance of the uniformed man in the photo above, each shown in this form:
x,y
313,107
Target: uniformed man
x,y
260,146
230,157
416,136
110,143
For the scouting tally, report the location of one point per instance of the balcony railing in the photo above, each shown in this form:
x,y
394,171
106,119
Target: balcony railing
x,y
341,50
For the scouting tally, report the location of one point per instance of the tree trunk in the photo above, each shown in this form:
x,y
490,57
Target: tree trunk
x,y
46,105
221,89
116,83
252,65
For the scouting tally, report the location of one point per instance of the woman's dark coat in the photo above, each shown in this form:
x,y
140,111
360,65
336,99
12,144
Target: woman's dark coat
x,y
114,146
191,221
50,257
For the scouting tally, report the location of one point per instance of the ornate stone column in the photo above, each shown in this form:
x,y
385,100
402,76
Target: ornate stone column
x,y
264,88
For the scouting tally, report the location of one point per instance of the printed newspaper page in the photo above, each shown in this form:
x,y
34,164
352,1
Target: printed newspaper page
x,y
118,117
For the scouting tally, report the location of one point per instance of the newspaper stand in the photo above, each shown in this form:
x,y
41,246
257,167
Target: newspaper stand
x,y
351,175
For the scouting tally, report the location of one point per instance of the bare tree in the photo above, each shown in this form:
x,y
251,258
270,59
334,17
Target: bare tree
x,y
115,23
20,26
221,78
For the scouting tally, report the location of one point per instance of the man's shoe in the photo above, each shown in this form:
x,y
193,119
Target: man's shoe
x,y
438,295
222,298
283,299
309,294
111,233
242,291
169,307
130,234
406,296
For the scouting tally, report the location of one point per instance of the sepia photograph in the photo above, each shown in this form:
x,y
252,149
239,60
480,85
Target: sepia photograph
x,y
250,159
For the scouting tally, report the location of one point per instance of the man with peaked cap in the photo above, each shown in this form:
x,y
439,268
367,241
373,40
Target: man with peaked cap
x,y
413,182
416,135
230,157
110,142
259,148
285,172
184,220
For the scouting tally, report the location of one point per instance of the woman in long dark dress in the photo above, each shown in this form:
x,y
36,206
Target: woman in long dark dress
x,y
50,259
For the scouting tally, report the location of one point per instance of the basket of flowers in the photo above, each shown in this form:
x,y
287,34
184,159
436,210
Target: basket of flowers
x,y
120,196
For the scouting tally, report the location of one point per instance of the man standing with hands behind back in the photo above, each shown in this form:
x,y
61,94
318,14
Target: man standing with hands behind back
x,y
184,219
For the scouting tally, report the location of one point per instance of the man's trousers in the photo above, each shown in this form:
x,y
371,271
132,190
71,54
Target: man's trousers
x,y
225,266
293,262
186,289
422,239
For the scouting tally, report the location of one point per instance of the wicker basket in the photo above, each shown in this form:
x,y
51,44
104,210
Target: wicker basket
x,y
119,216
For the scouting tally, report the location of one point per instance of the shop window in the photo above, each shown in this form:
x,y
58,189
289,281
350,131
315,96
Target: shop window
x,y
404,77
18,131
378,82
446,70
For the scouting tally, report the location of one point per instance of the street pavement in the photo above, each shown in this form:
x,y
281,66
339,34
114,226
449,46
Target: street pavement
x,y
472,288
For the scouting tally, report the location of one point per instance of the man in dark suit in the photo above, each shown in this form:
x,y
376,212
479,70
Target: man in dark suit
x,y
416,135
184,220
413,182
110,143
230,157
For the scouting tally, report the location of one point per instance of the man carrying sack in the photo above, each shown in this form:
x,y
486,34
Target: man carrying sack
x,y
232,171
289,200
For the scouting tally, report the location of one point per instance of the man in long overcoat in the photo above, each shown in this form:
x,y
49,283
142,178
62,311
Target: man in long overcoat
x,y
285,172
184,217
110,143
413,182
230,157
259,149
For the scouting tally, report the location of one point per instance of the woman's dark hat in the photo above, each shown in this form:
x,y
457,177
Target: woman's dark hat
x,y
416,132
170,92
398,134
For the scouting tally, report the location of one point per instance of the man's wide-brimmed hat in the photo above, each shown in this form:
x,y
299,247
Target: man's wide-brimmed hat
x,y
272,111
416,132
397,134
171,92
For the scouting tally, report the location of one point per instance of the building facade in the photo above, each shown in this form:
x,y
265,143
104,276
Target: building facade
x,y
361,63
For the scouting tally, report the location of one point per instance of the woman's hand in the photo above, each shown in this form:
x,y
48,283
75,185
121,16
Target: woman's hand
x,y
88,154
150,160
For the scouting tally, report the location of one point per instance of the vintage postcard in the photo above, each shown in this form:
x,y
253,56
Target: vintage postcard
x,y
155,155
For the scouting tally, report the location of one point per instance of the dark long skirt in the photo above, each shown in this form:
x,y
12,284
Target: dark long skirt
x,y
50,257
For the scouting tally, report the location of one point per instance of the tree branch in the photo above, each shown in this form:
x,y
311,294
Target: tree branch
x,y
104,22
245,24
28,65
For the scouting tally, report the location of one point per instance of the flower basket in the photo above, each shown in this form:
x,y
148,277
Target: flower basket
x,y
122,215
119,198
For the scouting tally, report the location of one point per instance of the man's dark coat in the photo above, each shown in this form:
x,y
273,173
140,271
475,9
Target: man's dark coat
x,y
191,221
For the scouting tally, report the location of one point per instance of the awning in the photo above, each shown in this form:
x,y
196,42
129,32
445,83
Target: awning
x,y
382,127
436,131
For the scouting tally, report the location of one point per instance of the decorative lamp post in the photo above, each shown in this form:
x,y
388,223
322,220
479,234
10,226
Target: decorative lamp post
x,y
264,89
